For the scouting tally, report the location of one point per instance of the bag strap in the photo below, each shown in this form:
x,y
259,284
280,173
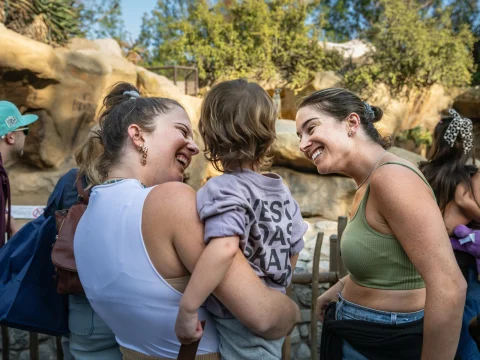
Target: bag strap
x,y
189,352
82,193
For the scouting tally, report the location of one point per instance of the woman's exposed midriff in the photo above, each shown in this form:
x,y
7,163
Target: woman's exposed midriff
x,y
384,300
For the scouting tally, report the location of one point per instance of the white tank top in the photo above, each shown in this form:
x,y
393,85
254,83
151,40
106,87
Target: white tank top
x,y
119,279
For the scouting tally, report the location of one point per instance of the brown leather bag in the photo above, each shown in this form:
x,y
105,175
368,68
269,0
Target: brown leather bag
x,y
63,258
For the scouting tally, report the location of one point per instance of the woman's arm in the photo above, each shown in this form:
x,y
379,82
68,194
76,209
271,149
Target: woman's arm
x,y
412,214
266,312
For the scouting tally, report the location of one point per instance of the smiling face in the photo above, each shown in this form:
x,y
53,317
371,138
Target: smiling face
x,y
170,146
323,140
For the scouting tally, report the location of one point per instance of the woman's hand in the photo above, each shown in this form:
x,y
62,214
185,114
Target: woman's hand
x,y
331,295
188,328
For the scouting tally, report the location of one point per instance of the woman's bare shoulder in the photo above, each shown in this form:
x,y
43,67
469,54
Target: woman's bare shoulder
x,y
169,201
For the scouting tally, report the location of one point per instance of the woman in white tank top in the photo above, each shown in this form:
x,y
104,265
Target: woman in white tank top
x,y
140,236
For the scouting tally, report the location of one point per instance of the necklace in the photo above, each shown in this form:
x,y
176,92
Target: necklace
x,y
371,170
113,181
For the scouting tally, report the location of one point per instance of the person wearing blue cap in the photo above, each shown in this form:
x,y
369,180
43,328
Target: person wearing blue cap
x,y
13,130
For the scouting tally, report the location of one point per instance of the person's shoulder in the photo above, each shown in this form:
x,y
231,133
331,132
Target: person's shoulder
x,y
397,177
172,192
170,201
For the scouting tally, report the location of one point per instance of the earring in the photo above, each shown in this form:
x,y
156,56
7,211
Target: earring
x,y
144,150
350,133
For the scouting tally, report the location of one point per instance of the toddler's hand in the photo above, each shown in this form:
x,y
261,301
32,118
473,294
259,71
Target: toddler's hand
x,y
188,328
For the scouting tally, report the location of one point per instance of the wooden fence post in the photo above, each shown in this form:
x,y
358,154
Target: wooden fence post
x,y
287,344
315,277
333,257
34,346
58,341
5,343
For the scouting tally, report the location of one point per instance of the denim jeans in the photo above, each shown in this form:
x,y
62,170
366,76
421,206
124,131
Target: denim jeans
x,y
237,342
347,310
90,337
467,349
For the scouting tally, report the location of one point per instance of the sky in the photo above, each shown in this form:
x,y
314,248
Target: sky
x,y
132,13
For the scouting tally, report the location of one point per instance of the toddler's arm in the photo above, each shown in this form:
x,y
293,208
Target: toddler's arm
x,y
209,271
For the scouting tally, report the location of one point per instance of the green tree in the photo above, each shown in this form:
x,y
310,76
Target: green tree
x,y
342,20
53,22
415,52
260,39
56,21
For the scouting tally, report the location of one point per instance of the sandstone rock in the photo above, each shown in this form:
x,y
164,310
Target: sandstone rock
x,y
422,108
407,155
323,80
42,146
81,43
319,195
109,47
65,87
468,103
286,151
66,84
31,186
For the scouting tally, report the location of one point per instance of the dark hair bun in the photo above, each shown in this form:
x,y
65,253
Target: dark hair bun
x,y
119,92
378,114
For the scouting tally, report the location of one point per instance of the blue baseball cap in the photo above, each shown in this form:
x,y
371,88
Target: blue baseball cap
x,y
11,119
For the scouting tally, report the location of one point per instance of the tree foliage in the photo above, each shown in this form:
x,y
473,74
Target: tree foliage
x,y
50,21
264,40
415,43
56,21
415,51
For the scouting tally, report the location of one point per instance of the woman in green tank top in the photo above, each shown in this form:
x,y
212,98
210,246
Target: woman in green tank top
x,y
402,272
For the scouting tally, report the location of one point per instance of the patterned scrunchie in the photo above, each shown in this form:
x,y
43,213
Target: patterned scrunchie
x,y
462,126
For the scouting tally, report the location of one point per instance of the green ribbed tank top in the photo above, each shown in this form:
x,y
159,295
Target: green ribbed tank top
x,y
377,260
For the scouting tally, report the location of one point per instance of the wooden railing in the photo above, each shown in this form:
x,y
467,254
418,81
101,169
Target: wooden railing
x,y
34,345
336,270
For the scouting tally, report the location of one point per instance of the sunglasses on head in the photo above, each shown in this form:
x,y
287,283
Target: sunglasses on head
x,y
24,129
